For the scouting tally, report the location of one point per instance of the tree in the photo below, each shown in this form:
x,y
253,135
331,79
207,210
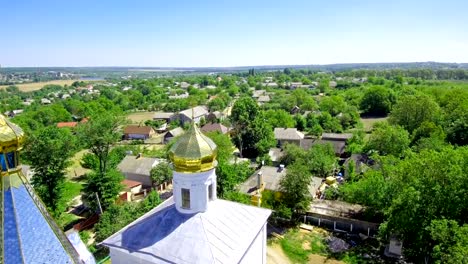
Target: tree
x,y
295,187
224,146
412,110
451,241
161,173
99,134
230,175
279,118
377,101
49,151
321,159
106,185
253,136
216,104
388,140
292,153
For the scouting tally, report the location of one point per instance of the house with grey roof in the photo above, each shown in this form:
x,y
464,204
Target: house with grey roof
x,y
198,112
288,135
214,117
163,116
214,127
173,133
263,99
258,93
137,168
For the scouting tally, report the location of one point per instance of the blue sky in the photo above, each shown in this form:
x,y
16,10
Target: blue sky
x,y
201,33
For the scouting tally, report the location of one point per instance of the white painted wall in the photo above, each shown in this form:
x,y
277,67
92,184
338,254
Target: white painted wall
x,y
198,184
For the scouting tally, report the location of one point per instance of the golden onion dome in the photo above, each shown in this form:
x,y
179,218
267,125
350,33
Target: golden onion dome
x,y
193,152
11,135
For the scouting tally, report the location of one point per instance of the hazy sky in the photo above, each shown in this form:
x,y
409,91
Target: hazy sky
x,y
230,33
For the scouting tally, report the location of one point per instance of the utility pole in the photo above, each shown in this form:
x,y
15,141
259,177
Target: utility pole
x,y
99,203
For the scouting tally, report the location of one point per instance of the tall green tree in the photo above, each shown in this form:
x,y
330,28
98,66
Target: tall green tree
x,y
377,101
388,140
295,187
49,151
106,186
161,173
99,134
321,159
412,110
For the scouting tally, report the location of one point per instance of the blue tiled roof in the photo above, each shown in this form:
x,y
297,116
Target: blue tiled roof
x,y
27,235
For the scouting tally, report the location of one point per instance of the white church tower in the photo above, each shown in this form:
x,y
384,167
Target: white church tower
x,y
193,226
194,180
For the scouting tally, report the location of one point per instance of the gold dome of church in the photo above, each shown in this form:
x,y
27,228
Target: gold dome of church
x,y
193,152
11,136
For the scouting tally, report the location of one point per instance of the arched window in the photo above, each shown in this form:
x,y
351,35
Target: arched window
x,y
7,159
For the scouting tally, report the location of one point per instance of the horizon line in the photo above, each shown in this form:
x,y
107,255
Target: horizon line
x,y
243,66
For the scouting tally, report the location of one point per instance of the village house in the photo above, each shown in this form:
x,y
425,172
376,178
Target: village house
x,y
163,116
336,140
184,85
173,133
138,168
288,135
198,112
270,84
263,99
13,113
294,85
138,132
269,178
45,101
258,93
179,96
71,124
131,188
214,127
214,117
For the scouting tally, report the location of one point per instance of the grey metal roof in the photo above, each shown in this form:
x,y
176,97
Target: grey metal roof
x,y
271,178
162,115
222,234
264,98
338,145
141,165
337,136
288,134
175,132
198,111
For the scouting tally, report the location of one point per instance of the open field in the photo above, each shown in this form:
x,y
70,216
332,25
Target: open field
x,y
369,122
140,117
29,87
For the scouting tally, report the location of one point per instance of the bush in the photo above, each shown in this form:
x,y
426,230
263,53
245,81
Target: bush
x,y
89,161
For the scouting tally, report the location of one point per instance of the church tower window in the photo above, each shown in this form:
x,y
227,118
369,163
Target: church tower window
x,y
185,198
210,192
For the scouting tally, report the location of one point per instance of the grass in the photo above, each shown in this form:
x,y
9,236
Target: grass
x,y
369,122
140,117
66,219
298,245
72,189
28,87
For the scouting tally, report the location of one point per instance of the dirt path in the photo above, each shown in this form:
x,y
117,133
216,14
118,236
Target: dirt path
x,y
275,255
